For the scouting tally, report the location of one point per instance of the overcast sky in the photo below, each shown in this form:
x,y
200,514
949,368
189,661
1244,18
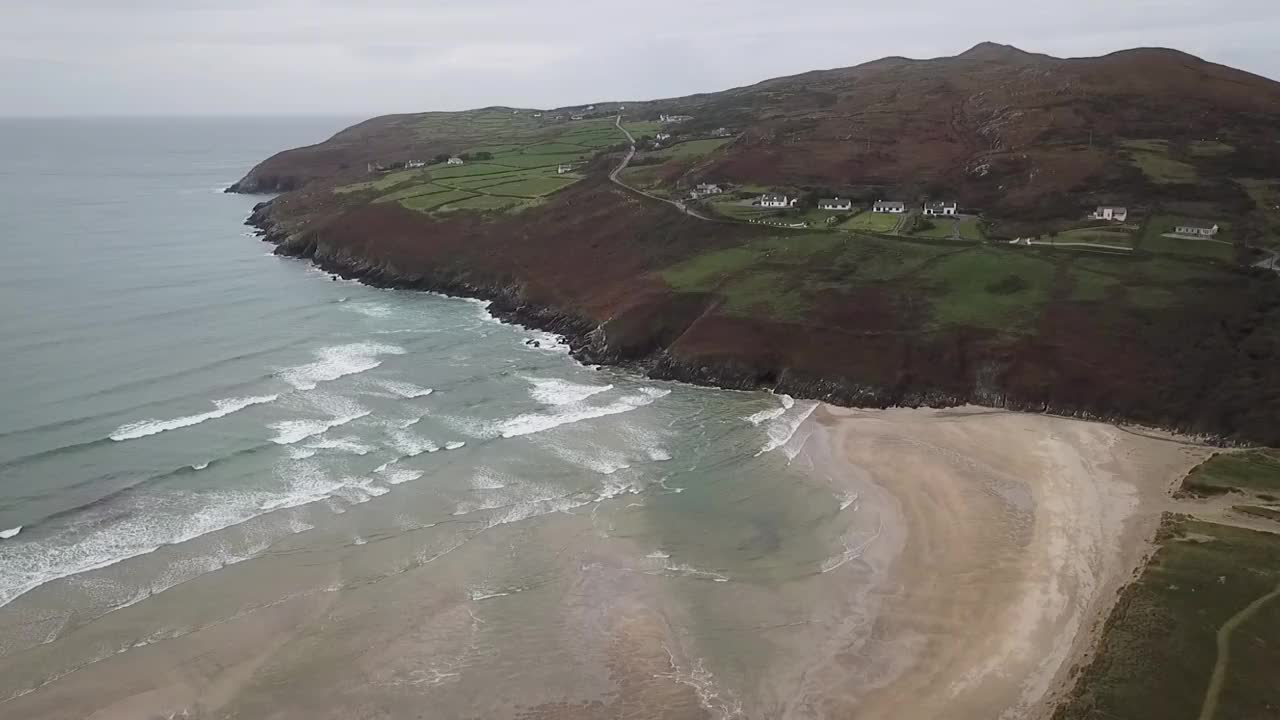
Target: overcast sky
x,y
365,57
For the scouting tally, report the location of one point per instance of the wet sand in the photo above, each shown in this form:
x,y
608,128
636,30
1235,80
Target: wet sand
x,y
1019,531
960,563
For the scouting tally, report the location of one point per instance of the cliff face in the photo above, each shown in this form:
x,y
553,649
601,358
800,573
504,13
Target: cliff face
x,y
589,267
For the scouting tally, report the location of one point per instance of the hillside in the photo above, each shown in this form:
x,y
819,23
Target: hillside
x,y
1109,319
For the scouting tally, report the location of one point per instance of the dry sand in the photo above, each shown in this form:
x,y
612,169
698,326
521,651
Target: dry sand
x,y
1019,531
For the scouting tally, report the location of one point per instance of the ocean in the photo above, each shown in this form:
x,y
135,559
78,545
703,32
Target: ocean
x,y
232,483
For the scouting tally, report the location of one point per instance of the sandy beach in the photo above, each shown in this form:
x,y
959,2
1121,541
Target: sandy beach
x,y
901,564
1019,530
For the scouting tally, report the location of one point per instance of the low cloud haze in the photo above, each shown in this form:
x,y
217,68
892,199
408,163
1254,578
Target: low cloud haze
x,y
230,57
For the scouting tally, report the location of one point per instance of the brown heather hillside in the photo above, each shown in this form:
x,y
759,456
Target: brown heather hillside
x,y
1175,333
1001,129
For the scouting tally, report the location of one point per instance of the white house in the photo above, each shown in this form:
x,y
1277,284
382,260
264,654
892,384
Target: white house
x,y
1193,228
455,160
575,117
414,164
835,204
564,169
674,118
775,200
709,189
720,132
940,207
537,115
1111,212
885,206
662,136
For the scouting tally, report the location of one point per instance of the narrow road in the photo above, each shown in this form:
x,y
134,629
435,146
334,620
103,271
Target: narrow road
x,y
631,152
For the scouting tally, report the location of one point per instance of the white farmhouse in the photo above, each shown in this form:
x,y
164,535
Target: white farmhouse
x,y
455,160
885,206
1111,212
775,200
564,169
709,189
662,136
835,204
940,207
1193,228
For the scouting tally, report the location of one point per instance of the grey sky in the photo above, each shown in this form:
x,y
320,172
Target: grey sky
x,y
70,57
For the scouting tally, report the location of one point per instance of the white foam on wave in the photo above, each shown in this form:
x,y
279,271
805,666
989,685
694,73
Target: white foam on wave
x,y
765,415
373,310
222,408
854,547
289,432
787,401
338,361
297,453
404,389
396,476
454,444
349,444
153,522
554,391
686,570
409,444
847,498
547,341
200,466
782,429
539,422
10,533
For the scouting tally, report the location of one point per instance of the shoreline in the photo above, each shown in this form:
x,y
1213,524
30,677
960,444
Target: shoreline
x,y
588,344
1010,561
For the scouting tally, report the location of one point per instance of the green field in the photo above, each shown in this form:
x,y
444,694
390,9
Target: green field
x,y
640,129
1210,148
693,148
1196,636
417,190
526,154
530,187
970,228
1153,158
1097,236
868,221
989,287
1250,471
1153,240
423,203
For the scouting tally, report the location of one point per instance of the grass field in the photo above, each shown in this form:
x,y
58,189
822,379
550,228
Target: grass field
x,y
530,187
1152,240
989,287
1250,471
1210,148
1098,236
944,228
1209,589
693,148
526,153
430,202
871,222
1153,158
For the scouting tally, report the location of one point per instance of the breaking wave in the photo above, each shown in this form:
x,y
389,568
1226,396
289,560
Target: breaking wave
x,y
337,361
222,408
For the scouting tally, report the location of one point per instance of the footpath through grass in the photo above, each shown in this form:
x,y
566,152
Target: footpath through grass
x,y
1195,637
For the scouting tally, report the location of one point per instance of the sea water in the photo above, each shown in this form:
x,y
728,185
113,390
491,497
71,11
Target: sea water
x,y
410,498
